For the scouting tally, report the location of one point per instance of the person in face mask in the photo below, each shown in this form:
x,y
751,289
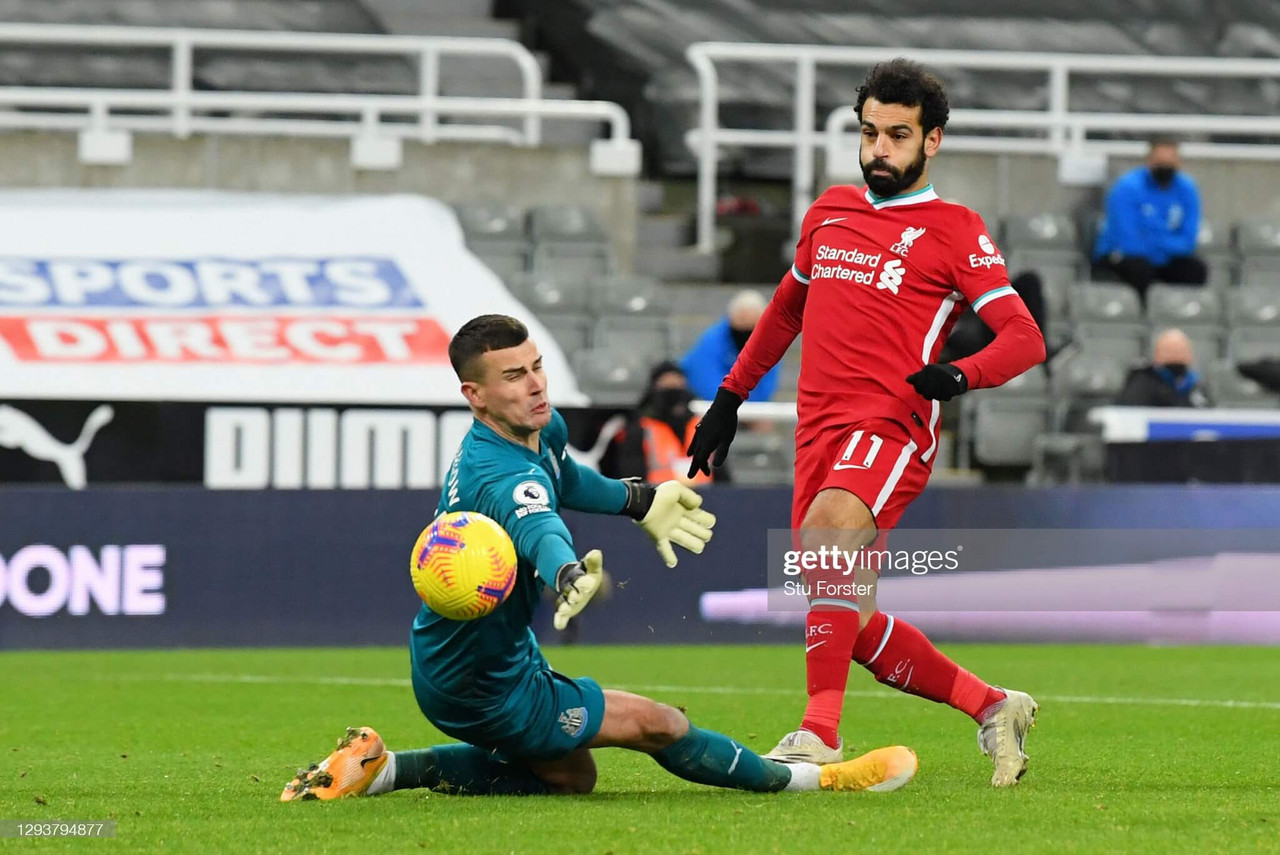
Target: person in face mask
x,y
1171,379
1151,224
652,444
711,357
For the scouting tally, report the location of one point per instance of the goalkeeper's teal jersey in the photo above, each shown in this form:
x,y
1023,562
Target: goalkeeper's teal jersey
x,y
475,662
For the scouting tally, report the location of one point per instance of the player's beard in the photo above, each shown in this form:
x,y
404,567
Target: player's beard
x,y
897,180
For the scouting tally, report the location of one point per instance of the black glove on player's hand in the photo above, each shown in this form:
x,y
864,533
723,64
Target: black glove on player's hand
x,y
714,433
939,382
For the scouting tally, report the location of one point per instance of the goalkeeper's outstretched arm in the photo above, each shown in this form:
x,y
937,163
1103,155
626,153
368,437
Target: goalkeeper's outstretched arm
x,y
670,513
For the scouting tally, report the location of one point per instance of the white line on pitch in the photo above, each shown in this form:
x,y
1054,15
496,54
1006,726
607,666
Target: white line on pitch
x,y
394,682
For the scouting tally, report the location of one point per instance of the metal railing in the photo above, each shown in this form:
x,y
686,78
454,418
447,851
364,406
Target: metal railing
x,y
1059,131
376,124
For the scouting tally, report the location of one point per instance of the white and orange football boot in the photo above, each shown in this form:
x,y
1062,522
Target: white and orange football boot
x,y
348,771
879,771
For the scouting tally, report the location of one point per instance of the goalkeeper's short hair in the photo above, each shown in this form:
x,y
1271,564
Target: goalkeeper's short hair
x,y
480,335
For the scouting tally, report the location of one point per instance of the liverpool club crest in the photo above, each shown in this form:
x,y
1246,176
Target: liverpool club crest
x,y
903,246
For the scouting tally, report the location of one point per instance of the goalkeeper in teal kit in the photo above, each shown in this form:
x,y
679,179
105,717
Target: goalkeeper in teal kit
x,y
522,727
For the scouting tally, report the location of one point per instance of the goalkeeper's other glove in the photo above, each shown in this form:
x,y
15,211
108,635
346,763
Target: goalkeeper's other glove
x,y
714,433
576,583
939,381
669,513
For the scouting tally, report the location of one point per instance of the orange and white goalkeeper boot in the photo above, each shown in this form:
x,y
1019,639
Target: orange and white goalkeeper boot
x,y
878,771
348,771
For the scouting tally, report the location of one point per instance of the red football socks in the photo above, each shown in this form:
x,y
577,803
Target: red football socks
x,y
829,642
898,655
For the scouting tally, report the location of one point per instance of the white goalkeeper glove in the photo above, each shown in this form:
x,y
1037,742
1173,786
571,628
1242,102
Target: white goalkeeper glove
x,y
669,513
576,584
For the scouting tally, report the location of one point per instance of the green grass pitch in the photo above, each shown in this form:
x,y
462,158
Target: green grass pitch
x,y
1137,750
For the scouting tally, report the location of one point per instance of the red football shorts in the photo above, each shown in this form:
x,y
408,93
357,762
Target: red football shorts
x,y
873,458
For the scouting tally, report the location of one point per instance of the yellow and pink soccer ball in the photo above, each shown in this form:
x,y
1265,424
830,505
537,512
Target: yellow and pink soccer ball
x,y
463,565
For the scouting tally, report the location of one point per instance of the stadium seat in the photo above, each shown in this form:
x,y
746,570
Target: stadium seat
x,y
1005,429
1260,270
628,295
762,458
1066,458
565,223
1054,267
493,225
648,338
1033,382
1206,340
1057,308
609,376
1221,271
571,332
1213,238
1082,379
1104,301
1124,342
546,294
1258,237
1177,305
1213,246
1228,388
1256,305
506,264
1041,233
1088,373
586,260
686,329
1246,344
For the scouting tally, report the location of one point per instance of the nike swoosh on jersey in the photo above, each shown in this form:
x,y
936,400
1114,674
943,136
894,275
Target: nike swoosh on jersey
x,y
809,647
829,220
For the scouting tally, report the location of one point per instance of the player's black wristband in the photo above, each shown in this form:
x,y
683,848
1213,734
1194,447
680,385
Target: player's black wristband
x,y
567,575
639,498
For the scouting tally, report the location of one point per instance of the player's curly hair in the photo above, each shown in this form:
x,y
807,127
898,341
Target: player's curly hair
x,y
901,81
480,335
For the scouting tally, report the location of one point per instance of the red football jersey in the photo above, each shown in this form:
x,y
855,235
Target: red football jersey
x,y
876,286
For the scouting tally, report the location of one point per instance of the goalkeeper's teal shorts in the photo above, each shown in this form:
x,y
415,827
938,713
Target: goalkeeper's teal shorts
x,y
543,715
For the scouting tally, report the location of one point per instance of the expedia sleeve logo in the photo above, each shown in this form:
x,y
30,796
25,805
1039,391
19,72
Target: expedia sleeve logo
x,y
990,255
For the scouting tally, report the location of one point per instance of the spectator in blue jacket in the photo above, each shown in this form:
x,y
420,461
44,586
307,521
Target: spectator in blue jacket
x,y
1152,221
710,359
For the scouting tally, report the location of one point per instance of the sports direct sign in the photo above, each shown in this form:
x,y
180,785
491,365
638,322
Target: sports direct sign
x,y
212,296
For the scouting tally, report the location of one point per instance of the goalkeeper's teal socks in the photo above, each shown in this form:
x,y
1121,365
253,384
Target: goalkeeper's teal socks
x,y
701,756
707,757
462,769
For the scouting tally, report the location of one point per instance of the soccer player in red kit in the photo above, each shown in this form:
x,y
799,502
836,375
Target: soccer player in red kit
x,y
880,276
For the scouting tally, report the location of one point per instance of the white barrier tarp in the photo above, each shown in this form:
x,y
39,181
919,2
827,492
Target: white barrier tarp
x,y
192,295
